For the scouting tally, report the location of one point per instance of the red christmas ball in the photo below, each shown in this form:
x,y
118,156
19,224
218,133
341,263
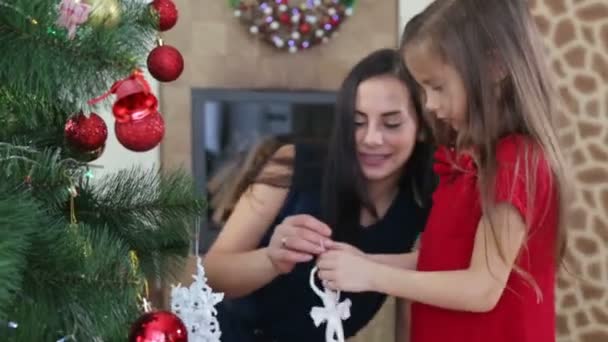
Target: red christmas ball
x,y
335,20
141,135
87,156
158,326
167,13
135,106
305,28
285,18
86,134
165,63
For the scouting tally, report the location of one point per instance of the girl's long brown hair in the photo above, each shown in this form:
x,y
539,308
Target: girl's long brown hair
x,y
482,39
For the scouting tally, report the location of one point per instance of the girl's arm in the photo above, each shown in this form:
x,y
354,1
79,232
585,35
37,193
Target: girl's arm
x,y
476,288
406,261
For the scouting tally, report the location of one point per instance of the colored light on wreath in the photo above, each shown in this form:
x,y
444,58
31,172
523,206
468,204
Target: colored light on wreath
x,y
277,22
285,18
305,28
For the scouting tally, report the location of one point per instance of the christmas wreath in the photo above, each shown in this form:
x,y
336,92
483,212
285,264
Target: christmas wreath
x,y
293,28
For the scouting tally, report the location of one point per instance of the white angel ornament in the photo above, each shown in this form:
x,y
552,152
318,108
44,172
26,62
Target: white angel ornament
x,y
332,313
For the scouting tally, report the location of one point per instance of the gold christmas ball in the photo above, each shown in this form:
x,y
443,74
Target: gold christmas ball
x,y
104,12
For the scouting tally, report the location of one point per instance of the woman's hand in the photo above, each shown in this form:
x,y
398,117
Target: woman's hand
x,y
298,238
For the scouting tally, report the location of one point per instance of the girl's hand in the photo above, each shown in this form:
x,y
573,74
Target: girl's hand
x,y
344,247
345,271
298,238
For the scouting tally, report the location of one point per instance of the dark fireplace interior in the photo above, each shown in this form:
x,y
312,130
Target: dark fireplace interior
x,y
228,122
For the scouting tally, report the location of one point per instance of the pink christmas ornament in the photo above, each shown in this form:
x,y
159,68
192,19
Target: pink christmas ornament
x,y
71,14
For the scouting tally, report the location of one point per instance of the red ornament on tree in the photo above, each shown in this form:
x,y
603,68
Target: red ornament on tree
x,y
158,326
165,63
86,134
167,13
142,134
134,98
135,106
139,126
89,156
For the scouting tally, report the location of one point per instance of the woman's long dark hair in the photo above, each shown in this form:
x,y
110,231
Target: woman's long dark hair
x,y
344,190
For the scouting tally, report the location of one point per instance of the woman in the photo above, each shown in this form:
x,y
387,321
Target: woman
x,y
372,198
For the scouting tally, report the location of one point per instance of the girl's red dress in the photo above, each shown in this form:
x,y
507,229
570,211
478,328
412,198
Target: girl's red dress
x,y
447,244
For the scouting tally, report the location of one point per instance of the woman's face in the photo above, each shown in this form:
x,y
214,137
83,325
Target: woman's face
x,y
386,127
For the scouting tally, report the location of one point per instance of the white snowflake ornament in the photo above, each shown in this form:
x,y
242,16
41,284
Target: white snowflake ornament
x,y
195,306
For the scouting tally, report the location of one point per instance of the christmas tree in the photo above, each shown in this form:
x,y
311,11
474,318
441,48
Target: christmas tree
x,y
75,250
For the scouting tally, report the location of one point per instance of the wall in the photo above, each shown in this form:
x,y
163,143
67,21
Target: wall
x,y
219,52
576,35
407,9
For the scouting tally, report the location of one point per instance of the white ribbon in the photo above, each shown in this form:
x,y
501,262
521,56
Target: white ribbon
x,y
333,311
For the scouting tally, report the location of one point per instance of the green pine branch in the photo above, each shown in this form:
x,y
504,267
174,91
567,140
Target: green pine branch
x,y
43,61
349,3
82,285
19,216
152,211
34,120
66,266
149,212
234,3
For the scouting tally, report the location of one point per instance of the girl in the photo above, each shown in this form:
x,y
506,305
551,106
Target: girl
x,y
487,261
372,198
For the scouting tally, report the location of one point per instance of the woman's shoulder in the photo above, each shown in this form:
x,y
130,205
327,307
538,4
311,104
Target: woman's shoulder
x,y
300,154
285,151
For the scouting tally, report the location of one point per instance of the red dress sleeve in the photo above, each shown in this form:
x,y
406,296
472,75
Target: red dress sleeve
x,y
524,178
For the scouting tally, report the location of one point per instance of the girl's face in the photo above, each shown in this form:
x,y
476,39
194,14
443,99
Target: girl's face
x,y
386,127
444,93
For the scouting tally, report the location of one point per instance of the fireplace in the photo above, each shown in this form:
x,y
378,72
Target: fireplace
x,y
226,122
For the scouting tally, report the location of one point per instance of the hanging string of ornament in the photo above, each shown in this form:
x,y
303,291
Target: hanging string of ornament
x,y
293,28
